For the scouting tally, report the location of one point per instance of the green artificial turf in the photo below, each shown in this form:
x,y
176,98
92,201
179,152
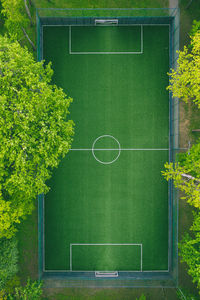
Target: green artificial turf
x,y
105,39
90,202
106,257
101,3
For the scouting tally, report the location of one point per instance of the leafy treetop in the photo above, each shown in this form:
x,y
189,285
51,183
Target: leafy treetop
x,y
34,131
185,81
16,18
190,250
186,175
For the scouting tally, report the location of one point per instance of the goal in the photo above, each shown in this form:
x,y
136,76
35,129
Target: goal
x,y
106,274
106,22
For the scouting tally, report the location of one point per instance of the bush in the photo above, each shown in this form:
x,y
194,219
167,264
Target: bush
x,y
8,260
32,291
12,284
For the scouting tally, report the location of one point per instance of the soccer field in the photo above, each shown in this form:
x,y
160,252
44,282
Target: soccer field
x,y
107,209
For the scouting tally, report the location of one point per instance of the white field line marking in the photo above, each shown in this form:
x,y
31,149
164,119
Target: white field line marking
x,y
121,52
99,149
88,53
122,149
106,244
119,149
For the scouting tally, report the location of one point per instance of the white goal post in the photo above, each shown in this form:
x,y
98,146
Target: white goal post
x,y
106,274
106,21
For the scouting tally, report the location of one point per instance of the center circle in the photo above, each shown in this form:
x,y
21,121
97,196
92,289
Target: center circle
x,y
118,148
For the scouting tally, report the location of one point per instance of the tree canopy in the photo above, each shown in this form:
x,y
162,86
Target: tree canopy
x,y
185,81
35,132
16,18
186,175
190,250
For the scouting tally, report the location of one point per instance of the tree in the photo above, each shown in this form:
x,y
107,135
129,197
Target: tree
x,y
190,250
18,17
185,81
8,260
186,175
8,217
195,27
35,132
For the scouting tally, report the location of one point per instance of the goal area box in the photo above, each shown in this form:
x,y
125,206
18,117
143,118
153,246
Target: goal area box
x,y
116,278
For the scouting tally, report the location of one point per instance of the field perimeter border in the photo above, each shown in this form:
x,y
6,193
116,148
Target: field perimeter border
x,y
165,279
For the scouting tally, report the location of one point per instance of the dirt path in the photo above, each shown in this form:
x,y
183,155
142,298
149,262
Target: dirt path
x,y
173,3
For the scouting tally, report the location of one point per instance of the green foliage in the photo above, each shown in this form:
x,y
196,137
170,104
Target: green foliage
x,y
190,187
182,294
185,84
195,27
1,15
35,132
15,17
8,217
185,81
142,297
8,260
188,164
12,284
192,160
32,291
190,250
181,158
